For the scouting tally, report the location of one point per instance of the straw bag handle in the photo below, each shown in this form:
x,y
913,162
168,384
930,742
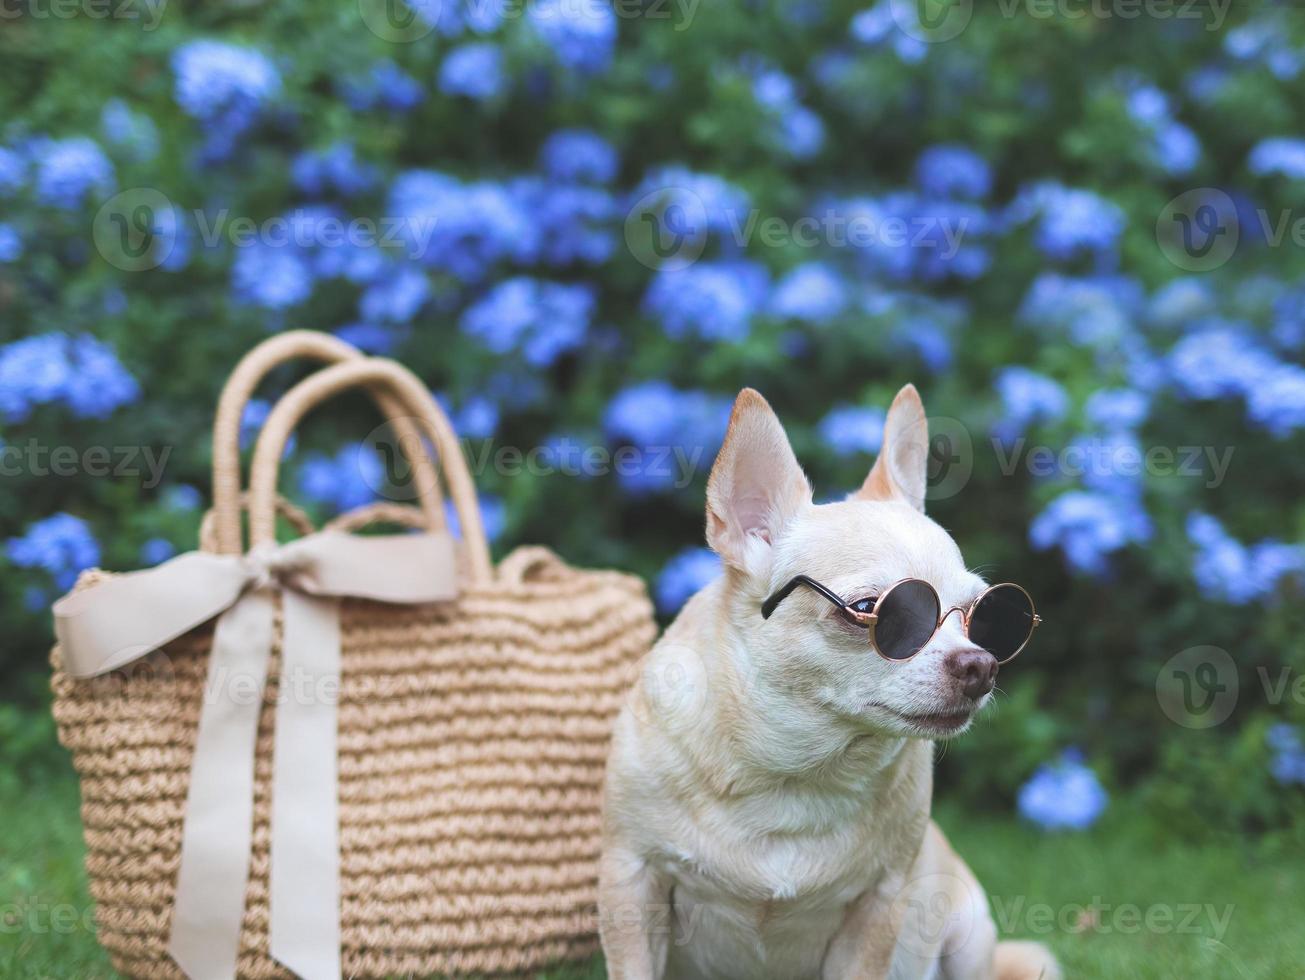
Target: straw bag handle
x,y
240,387
371,373
294,516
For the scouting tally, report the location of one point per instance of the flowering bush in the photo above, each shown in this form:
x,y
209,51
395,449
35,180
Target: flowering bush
x,y
587,226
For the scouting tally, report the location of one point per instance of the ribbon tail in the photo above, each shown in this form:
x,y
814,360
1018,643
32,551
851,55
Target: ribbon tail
x,y
305,846
216,838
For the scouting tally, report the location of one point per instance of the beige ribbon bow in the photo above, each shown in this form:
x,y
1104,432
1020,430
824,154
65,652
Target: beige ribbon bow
x,y
125,617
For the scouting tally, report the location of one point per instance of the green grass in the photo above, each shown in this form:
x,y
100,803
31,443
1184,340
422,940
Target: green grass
x,y
1040,884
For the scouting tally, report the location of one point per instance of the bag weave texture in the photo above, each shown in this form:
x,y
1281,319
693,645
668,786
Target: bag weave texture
x,y
472,741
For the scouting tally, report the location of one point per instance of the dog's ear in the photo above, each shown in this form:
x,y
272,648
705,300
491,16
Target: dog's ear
x,y
756,486
902,470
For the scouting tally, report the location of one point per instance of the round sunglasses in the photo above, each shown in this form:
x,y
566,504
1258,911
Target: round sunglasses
x,y
902,620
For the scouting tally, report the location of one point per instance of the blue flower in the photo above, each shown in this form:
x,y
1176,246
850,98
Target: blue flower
x,y
335,168
696,204
1279,155
11,244
1218,362
879,24
1266,39
62,545
712,300
454,18
1089,526
13,172
675,432
1228,571
1177,148
573,222
1071,221
685,574
181,497
541,319
565,453
493,517
582,36
850,429
213,77
356,262
813,292
1277,402
1288,765
68,170
224,85
1174,146
928,338
1111,463
1027,398
385,85
1117,408
374,338
274,277
952,170
156,551
252,417
81,372
1064,795
462,228
1098,310
1180,301
801,132
795,129
100,384
476,418
348,480
579,155
134,133
397,297
474,70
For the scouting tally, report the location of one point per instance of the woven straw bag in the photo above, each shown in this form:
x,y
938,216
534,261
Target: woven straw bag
x,y
450,783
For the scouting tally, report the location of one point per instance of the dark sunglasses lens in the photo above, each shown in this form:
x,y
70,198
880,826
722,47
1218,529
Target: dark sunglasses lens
x,y
1002,621
908,615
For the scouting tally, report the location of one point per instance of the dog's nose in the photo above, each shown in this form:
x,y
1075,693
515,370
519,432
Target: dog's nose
x,y
975,669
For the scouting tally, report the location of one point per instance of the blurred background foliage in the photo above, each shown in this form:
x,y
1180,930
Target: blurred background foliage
x,y
517,158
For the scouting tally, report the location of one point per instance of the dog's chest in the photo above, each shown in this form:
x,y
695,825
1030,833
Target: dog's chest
x,y
763,907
